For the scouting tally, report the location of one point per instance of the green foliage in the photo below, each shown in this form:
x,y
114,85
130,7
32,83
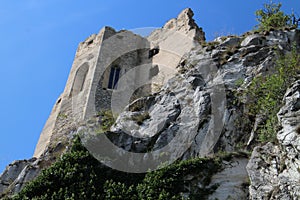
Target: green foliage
x,y
106,121
119,191
77,175
272,17
66,176
169,182
239,82
62,116
265,93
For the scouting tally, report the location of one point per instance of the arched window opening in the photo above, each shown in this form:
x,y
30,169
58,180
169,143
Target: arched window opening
x,y
79,80
114,77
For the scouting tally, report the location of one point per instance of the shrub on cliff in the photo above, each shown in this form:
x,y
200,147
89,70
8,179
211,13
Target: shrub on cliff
x,y
272,17
78,175
266,93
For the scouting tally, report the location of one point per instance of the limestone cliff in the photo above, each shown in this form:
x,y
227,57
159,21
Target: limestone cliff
x,y
196,106
274,169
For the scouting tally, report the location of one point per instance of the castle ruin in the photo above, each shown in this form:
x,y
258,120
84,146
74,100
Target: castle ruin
x,y
103,59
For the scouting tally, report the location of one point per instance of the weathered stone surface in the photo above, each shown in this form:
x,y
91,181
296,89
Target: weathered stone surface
x,y
186,24
232,180
289,118
231,42
255,39
193,90
274,169
283,38
17,174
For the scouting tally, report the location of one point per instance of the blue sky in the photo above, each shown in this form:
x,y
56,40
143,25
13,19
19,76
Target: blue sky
x,y
39,39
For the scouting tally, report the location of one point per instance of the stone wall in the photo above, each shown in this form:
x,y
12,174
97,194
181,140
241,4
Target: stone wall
x,y
71,103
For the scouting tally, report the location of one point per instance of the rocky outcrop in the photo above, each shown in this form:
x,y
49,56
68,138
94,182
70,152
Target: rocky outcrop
x,y
232,181
198,103
184,23
17,174
274,170
188,102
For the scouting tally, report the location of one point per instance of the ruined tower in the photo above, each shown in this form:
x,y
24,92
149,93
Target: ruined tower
x,y
103,59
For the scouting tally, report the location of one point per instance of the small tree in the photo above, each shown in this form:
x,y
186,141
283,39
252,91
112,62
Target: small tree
x,y
272,17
